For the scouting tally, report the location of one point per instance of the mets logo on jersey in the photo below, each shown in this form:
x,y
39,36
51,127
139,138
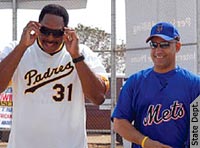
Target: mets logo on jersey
x,y
155,116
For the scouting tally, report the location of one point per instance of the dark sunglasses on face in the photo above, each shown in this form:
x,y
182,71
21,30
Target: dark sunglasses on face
x,y
55,32
163,45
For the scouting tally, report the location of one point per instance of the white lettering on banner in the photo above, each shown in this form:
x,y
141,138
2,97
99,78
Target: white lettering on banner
x,y
138,59
182,23
185,57
141,59
147,58
146,26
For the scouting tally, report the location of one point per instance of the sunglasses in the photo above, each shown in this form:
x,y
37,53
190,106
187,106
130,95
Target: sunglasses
x,y
55,32
163,45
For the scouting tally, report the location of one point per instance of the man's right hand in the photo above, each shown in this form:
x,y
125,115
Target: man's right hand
x,y
30,34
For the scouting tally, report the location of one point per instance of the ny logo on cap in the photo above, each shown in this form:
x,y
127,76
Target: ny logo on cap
x,y
159,28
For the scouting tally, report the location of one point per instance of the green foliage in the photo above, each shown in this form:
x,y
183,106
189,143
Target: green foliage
x,y
100,41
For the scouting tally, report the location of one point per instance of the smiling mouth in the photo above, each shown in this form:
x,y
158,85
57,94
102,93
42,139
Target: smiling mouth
x,y
50,44
159,57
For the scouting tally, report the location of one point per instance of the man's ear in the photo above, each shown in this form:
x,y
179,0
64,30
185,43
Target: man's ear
x,y
178,46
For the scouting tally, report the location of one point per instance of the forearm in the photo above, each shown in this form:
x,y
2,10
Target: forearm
x,y
130,133
126,130
8,66
93,87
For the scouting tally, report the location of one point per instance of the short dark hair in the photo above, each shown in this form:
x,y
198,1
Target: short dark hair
x,y
56,10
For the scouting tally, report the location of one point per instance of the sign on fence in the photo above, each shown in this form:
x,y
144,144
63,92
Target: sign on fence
x,y
6,108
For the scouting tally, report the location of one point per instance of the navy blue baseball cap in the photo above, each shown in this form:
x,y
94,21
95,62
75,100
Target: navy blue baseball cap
x,y
164,30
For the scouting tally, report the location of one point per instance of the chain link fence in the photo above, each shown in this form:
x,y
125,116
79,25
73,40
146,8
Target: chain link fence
x,y
99,123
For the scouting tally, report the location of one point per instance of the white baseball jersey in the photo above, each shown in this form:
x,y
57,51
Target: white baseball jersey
x,y
48,102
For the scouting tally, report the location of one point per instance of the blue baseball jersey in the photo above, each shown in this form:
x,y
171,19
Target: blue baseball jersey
x,y
158,105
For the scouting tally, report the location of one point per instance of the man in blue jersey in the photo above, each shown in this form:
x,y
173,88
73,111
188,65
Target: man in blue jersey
x,y
153,109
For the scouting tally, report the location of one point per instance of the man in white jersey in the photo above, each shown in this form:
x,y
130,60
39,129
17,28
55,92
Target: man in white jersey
x,y
51,75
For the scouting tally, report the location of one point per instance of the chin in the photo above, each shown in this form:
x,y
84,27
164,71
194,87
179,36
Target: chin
x,y
51,51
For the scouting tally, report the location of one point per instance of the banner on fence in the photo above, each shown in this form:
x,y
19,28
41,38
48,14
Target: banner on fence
x,y
6,108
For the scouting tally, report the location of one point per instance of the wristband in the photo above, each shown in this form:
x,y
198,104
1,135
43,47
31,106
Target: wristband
x,y
143,140
79,59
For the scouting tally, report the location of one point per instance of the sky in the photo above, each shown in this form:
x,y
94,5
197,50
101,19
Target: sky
x,y
96,14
